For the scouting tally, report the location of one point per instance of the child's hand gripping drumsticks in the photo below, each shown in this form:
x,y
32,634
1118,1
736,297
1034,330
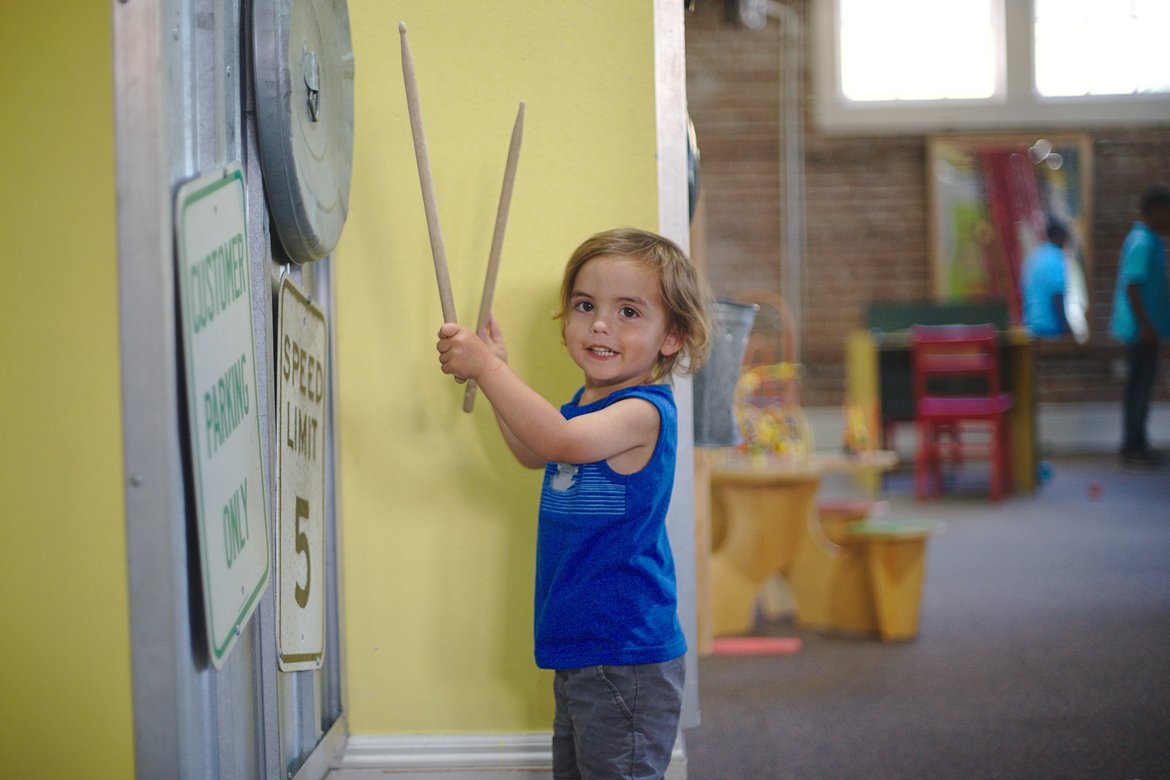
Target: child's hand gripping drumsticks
x,y
467,355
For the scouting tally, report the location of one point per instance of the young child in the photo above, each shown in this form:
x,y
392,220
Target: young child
x,y
1042,284
632,308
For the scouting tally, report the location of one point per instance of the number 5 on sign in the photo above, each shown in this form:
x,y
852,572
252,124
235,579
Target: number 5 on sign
x,y
301,385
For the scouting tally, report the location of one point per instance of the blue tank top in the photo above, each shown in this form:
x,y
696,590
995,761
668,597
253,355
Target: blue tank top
x,y
605,585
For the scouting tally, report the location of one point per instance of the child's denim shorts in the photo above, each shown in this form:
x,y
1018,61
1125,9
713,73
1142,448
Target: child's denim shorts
x,y
616,721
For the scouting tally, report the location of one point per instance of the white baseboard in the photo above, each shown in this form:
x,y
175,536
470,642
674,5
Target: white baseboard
x,y
524,756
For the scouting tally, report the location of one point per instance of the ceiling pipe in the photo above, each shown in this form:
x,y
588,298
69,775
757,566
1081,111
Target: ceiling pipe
x,y
755,14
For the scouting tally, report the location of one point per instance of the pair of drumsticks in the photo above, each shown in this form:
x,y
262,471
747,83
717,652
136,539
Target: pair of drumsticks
x,y
438,252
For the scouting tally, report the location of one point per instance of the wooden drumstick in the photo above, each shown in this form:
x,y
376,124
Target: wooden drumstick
x,y
438,251
489,282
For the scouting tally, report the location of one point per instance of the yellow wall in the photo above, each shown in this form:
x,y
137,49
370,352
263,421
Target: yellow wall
x,y
438,523
65,659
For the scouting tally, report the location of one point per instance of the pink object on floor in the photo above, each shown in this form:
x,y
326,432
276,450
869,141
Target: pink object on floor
x,y
758,645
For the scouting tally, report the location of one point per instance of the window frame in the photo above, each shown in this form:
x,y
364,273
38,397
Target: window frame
x,y
1018,105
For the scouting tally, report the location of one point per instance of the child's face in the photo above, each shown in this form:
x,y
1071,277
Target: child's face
x,y
616,325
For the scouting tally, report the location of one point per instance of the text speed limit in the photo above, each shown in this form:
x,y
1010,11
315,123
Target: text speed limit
x,y
302,385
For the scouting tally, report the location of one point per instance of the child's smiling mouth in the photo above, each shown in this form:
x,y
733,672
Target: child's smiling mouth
x,y
602,352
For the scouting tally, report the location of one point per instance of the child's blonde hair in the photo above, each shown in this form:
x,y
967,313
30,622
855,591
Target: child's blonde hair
x,y
683,289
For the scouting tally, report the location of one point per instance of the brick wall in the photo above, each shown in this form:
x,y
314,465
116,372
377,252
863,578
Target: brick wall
x,y
866,214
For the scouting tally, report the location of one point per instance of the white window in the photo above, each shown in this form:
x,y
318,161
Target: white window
x,y
1102,47
931,65
892,50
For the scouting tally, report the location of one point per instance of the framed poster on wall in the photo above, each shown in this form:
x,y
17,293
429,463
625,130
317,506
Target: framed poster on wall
x,y
991,197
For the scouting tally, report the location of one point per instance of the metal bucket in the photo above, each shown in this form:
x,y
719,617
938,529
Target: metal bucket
x,y
715,422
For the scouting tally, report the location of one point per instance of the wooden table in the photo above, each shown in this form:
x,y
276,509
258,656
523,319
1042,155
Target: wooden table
x,y
764,521
763,508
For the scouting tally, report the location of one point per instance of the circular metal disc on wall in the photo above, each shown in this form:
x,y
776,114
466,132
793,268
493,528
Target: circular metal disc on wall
x,y
304,111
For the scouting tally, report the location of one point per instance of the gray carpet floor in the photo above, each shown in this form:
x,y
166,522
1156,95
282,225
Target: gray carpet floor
x,y
1043,651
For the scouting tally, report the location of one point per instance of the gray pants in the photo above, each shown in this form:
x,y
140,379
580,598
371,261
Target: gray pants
x,y
616,721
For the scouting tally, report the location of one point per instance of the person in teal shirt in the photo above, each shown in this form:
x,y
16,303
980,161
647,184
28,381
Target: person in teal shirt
x,y
1141,318
1042,285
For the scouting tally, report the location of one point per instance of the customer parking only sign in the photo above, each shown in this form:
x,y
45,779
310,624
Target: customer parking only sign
x,y
223,407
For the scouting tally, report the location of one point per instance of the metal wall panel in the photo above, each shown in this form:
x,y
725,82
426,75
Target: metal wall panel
x,y
183,109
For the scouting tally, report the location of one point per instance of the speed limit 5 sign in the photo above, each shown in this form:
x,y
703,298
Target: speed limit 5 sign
x,y
302,388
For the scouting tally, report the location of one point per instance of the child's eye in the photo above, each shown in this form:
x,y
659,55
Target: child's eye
x,y
585,306
629,311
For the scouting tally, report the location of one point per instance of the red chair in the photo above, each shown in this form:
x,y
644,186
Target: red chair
x,y
960,408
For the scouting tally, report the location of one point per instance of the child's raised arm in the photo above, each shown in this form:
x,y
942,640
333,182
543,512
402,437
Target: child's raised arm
x,y
494,338
529,422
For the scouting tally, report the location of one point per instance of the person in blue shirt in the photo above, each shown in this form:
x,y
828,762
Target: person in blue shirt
x,y
1141,318
1042,285
633,310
